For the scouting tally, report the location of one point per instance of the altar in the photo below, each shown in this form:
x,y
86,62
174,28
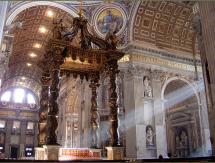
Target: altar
x,y
69,154
79,154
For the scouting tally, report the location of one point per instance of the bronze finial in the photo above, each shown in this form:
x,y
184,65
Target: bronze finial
x,y
81,9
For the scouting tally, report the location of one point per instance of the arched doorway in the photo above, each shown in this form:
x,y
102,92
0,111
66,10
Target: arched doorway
x,y
182,119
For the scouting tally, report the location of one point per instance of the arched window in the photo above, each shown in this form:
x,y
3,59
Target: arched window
x,y
19,95
6,96
30,99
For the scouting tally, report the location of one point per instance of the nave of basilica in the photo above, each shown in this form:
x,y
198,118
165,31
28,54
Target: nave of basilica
x,y
107,79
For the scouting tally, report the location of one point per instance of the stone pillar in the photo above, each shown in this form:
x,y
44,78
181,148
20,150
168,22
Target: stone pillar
x,y
63,104
203,113
3,12
115,153
129,102
51,152
7,138
204,95
189,127
207,11
159,113
87,105
120,101
94,111
22,139
39,153
114,142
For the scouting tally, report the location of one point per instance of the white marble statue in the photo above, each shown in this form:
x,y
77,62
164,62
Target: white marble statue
x,y
147,87
149,136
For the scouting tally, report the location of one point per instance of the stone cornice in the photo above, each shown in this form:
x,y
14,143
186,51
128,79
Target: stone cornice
x,y
135,48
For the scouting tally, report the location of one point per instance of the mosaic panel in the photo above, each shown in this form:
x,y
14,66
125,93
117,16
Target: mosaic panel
x,y
109,20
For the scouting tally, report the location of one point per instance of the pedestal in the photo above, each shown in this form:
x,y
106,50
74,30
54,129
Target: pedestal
x,y
51,152
96,152
39,153
115,153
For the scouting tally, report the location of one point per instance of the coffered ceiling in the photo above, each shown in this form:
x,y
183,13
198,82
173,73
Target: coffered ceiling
x,y
165,25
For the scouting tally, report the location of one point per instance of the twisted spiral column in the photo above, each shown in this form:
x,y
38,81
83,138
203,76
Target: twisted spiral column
x,y
44,102
94,111
112,70
56,61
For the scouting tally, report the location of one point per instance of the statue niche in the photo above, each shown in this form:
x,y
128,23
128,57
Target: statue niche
x,y
147,87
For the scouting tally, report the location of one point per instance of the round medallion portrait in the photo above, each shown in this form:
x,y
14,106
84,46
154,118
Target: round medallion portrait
x,y
110,20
